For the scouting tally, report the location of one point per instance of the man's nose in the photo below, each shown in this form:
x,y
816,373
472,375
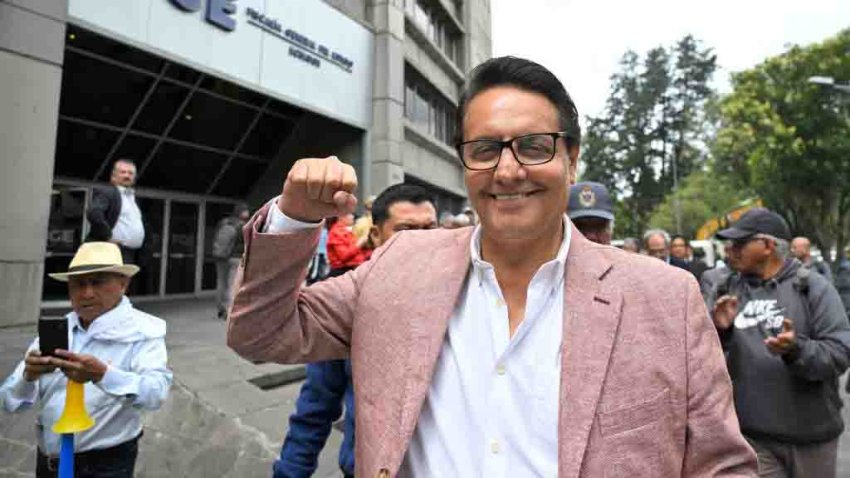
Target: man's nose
x,y
509,167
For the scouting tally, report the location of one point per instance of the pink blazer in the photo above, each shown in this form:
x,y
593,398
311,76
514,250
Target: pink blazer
x,y
644,388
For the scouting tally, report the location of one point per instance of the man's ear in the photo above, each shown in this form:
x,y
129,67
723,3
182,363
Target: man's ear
x,y
572,163
375,235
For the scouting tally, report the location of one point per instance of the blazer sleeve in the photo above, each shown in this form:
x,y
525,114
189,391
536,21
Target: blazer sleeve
x,y
714,443
97,215
275,318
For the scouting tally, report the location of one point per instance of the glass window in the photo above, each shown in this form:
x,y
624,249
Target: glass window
x,y
232,90
86,40
160,107
267,136
81,149
64,236
285,110
132,147
182,168
98,91
212,121
182,73
240,176
427,108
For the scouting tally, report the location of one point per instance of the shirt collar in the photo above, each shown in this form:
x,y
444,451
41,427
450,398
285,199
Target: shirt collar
x,y
101,322
125,190
558,264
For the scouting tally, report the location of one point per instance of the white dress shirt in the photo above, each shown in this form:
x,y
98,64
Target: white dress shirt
x,y
492,407
129,231
132,344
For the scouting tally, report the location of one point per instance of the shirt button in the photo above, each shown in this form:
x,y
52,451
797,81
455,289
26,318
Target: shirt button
x,y
495,447
500,369
500,303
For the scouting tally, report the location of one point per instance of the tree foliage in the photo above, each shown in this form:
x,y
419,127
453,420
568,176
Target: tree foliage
x,y
652,129
789,140
702,196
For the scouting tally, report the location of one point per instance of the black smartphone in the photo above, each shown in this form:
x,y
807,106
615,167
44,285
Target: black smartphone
x,y
52,335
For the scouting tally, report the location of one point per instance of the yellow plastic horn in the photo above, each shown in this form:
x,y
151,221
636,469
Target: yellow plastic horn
x,y
74,417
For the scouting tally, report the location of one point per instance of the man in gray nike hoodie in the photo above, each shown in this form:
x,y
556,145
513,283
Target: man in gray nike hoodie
x,y
787,341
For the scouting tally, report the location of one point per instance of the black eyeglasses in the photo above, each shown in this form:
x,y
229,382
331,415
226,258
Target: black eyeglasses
x,y
529,150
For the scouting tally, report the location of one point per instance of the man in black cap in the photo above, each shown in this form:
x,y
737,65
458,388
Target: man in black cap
x,y
592,212
787,340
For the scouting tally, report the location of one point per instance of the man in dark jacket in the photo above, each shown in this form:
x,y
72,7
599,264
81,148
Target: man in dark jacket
x,y
801,248
227,249
115,216
787,341
400,207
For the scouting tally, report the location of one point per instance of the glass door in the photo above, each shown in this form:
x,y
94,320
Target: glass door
x,y
182,248
149,259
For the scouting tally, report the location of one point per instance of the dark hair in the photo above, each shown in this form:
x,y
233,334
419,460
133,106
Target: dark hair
x,y
525,75
679,236
397,193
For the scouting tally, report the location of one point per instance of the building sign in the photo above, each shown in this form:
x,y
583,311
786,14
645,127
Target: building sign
x,y
218,11
304,52
302,47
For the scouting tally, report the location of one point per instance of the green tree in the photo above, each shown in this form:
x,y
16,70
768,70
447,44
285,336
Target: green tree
x,y
650,131
702,196
789,140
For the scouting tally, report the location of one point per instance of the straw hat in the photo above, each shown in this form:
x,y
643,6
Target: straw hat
x,y
94,257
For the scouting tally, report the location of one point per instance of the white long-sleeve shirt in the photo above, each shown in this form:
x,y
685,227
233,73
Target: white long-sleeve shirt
x,y
492,407
132,344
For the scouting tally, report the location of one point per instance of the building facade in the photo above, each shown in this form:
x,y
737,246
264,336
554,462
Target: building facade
x,y
213,100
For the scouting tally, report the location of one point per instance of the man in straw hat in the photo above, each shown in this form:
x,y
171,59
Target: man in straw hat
x,y
115,350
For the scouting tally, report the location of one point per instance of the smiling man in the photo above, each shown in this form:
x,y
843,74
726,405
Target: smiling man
x,y
514,348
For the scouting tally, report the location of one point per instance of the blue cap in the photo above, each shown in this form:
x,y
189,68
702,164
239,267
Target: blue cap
x,y
589,199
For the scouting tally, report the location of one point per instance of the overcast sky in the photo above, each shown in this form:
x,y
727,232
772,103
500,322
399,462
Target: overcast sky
x,y
581,41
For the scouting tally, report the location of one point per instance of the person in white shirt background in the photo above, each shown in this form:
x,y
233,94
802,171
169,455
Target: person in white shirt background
x,y
114,215
115,350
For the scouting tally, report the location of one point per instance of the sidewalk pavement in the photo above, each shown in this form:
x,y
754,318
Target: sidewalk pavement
x,y
216,422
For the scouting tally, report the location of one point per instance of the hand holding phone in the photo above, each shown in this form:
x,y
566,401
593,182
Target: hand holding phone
x,y
52,335
35,366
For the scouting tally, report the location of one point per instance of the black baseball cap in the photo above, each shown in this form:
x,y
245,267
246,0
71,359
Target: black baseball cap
x,y
589,199
757,221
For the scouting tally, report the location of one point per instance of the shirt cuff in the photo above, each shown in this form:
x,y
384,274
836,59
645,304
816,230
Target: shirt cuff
x,y
278,222
26,391
118,382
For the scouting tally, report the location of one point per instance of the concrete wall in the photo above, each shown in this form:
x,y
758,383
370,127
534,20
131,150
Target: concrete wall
x,y
32,39
387,134
479,25
356,9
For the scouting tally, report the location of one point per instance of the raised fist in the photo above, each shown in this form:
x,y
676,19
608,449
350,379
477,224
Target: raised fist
x,y
316,188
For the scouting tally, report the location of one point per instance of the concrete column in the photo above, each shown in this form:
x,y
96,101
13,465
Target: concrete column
x,y
32,40
387,134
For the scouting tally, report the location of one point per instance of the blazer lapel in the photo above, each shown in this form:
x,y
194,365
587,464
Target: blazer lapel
x,y
437,295
591,318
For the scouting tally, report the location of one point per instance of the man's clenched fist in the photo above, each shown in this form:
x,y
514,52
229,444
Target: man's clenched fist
x,y
316,188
